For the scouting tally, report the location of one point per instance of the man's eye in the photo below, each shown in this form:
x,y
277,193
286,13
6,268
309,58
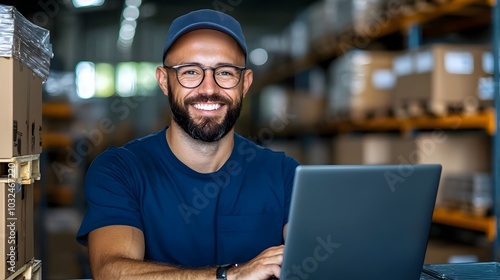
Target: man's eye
x,y
190,72
226,72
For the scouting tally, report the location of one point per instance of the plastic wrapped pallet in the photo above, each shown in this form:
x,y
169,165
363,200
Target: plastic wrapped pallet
x,y
24,41
25,54
360,16
323,26
360,85
469,192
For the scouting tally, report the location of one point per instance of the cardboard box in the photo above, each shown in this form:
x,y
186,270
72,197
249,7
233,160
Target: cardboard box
x,y
457,152
14,87
363,149
21,120
280,109
35,114
305,109
361,85
440,79
292,148
17,233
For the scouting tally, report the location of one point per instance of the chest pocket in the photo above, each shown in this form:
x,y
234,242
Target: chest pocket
x,y
240,238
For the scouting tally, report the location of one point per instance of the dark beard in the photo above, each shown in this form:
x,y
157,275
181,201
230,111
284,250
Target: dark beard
x,y
208,130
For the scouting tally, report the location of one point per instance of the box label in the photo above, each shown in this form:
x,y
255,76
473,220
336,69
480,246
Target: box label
x,y
383,79
403,65
358,80
488,63
485,88
460,63
424,62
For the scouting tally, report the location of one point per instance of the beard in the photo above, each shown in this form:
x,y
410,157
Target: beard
x,y
207,129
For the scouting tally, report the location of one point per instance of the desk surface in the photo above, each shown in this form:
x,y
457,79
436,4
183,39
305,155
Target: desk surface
x,y
464,271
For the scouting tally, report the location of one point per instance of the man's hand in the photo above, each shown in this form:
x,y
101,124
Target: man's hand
x,y
262,267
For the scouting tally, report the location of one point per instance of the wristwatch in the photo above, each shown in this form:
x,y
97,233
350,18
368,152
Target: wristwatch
x,y
222,271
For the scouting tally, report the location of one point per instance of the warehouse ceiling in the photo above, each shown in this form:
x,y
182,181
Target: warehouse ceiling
x,y
257,17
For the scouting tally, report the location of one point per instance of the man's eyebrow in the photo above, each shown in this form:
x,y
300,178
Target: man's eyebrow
x,y
202,65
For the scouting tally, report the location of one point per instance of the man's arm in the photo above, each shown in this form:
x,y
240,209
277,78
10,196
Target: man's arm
x,y
117,252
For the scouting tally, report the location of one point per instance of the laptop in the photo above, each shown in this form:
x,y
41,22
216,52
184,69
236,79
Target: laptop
x,y
359,222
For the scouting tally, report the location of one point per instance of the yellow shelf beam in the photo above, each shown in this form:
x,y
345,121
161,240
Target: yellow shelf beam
x,y
56,139
482,120
436,11
57,110
467,221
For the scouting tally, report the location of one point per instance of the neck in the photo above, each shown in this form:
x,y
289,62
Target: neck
x,y
202,157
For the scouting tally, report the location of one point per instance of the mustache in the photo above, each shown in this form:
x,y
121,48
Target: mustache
x,y
208,98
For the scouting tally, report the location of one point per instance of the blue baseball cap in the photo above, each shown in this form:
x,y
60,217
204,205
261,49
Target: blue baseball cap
x,y
205,19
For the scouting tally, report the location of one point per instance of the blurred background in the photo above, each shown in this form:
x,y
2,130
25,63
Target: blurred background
x,y
336,82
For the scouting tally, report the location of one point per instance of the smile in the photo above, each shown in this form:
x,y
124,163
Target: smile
x,y
207,106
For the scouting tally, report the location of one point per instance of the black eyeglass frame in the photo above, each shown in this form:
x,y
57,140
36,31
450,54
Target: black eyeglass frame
x,y
176,67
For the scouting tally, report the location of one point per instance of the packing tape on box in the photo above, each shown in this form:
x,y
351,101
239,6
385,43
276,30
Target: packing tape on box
x,y
25,41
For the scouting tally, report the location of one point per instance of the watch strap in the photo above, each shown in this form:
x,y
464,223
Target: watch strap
x,y
221,272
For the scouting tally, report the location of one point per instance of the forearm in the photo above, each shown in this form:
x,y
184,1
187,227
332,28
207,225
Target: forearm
x,y
125,268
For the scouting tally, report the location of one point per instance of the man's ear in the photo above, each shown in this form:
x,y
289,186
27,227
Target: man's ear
x,y
247,80
162,79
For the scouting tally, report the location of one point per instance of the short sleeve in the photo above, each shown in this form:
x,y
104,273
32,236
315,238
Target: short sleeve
x,y
111,193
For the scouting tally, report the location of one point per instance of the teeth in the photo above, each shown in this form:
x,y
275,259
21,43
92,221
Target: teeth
x,y
207,107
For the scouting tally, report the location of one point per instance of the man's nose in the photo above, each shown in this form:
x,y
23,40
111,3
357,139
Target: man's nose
x,y
209,85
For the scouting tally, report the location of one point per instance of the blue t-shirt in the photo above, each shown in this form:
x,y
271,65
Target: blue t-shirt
x,y
188,218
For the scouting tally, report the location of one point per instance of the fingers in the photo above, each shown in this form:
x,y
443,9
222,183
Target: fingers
x,y
262,267
272,255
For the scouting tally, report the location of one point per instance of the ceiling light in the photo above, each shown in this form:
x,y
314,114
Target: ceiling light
x,y
87,3
258,56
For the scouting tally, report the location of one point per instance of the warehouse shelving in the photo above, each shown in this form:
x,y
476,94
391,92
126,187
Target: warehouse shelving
x,y
61,186
467,221
57,110
56,140
333,46
482,120
412,23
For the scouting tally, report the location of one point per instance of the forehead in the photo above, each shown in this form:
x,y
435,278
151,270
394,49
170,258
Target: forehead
x,y
205,46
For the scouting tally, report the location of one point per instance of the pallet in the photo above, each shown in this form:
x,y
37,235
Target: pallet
x,y
20,170
467,208
412,7
418,108
30,271
357,116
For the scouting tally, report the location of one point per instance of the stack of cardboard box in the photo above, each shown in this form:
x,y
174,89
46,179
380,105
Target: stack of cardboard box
x,y
24,63
442,78
360,85
436,79
461,165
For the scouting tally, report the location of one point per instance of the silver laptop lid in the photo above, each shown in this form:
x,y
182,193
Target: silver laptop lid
x,y
359,222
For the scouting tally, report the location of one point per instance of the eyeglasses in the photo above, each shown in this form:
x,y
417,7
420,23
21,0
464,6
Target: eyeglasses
x,y
192,75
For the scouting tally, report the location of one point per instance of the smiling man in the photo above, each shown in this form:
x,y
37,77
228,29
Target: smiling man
x,y
194,200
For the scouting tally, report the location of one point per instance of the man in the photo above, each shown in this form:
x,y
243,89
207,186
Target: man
x,y
194,200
